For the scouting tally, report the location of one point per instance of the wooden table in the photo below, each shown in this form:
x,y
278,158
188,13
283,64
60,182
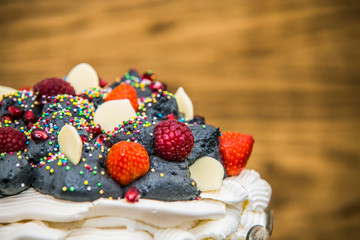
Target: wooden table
x,y
285,71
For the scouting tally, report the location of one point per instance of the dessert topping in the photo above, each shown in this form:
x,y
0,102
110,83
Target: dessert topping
x,y
29,116
11,140
173,140
235,149
124,91
53,87
70,143
15,111
83,77
157,85
208,173
39,135
127,161
149,75
184,103
111,114
132,194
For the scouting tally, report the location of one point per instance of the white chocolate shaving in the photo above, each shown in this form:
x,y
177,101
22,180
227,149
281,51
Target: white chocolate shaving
x,y
83,77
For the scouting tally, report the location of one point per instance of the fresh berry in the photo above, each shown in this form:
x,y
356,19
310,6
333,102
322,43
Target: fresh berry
x,y
7,117
95,130
53,87
156,86
15,111
149,75
11,140
127,161
102,83
132,194
39,135
235,150
173,140
171,116
124,91
29,116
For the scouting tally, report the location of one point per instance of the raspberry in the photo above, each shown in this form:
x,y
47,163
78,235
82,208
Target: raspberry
x,y
174,140
11,140
53,87
127,161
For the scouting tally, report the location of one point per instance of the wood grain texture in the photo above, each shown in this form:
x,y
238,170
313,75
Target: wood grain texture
x,y
285,71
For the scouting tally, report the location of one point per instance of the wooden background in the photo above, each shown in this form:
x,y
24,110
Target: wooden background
x,y
285,71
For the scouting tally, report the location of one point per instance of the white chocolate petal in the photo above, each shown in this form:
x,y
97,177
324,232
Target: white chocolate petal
x,y
208,173
184,103
112,113
83,77
6,90
70,143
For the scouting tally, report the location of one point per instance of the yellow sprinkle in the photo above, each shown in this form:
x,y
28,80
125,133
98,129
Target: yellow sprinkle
x,y
152,170
59,163
193,183
161,174
51,170
47,167
101,191
86,182
64,188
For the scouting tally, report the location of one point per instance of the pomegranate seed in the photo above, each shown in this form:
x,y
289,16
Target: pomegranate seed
x,y
149,75
156,86
15,111
100,139
102,82
84,138
29,116
30,125
171,116
39,135
7,117
95,130
132,195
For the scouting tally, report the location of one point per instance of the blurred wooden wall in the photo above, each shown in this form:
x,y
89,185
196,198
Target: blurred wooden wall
x,y
285,71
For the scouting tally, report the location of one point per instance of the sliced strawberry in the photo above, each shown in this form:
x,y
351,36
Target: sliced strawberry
x,y
124,91
127,161
235,150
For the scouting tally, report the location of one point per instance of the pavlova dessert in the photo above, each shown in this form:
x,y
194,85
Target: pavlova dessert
x,y
80,159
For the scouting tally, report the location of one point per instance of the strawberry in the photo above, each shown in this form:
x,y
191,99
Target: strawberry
x,y
127,161
124,91
235,150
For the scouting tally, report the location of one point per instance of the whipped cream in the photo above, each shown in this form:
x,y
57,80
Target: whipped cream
x,y
227,213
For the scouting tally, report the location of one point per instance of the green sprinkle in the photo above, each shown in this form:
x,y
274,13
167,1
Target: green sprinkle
x,y
203,126
67,168
99,184
72,189
81,172
50,143
94,172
